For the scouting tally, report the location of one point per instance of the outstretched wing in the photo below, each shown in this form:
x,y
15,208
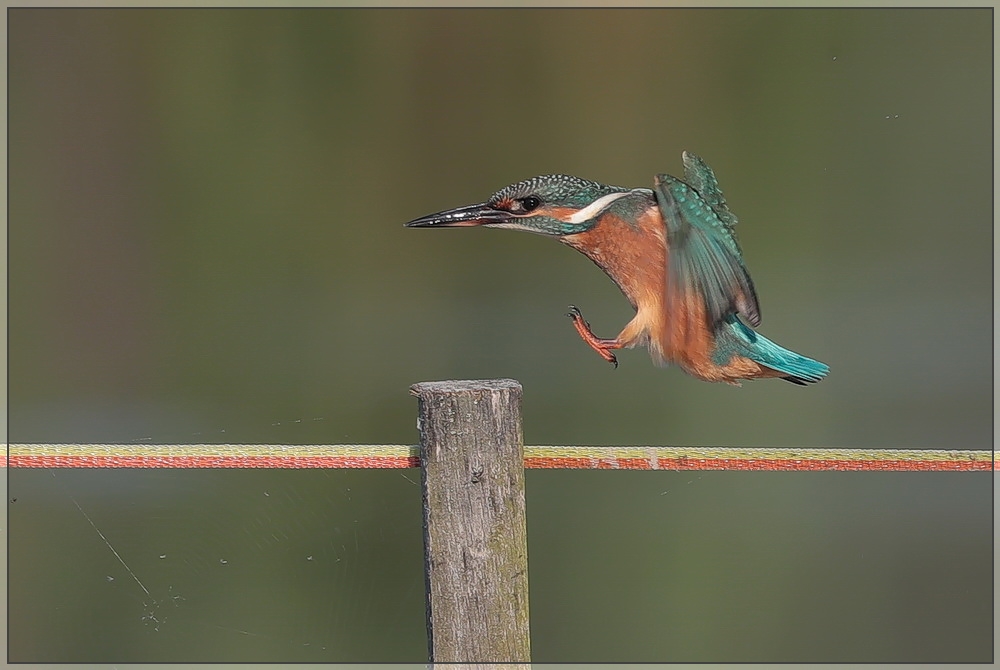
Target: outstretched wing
x,y
702,179
704,256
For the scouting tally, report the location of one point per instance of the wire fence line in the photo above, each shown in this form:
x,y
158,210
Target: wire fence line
x,y
286,456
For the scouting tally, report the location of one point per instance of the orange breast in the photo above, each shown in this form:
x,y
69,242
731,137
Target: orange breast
x,y
636,258
633,256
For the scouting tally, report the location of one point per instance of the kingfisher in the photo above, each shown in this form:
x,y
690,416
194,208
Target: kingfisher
x,y
673,253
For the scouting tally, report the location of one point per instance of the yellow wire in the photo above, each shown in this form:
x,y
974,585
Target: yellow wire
x,y
166,451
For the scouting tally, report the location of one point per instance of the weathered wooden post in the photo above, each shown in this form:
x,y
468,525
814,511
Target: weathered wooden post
x,y
475,539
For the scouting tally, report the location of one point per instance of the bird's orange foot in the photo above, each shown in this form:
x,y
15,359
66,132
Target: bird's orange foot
x,y
600,345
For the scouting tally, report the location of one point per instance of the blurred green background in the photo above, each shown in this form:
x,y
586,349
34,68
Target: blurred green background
x,y
206,245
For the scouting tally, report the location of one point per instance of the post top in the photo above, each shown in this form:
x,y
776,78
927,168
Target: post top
x,y
464,385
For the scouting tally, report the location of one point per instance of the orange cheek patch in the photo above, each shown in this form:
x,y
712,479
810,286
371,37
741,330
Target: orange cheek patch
x,y
560,213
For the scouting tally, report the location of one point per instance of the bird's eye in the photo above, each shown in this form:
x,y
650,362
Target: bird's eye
x,y
529,203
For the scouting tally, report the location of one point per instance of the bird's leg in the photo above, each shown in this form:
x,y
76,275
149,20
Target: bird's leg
x,y
600,345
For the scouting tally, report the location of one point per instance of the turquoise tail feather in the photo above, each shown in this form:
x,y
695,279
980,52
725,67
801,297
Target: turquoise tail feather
x,y
735,338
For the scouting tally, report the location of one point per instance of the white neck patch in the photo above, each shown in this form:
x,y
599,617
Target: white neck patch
x,y
596,207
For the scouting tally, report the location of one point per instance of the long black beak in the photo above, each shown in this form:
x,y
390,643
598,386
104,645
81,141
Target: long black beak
x,y
470,215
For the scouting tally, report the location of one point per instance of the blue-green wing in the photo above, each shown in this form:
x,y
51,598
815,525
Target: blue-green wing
x,y
703,253
702,179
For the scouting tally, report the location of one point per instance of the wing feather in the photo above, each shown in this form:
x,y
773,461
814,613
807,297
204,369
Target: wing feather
x,y
702,247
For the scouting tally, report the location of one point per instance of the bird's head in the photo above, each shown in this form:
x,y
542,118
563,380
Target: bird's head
x,y
554,204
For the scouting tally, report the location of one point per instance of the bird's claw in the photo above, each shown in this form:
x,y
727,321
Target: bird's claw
x,y
583,328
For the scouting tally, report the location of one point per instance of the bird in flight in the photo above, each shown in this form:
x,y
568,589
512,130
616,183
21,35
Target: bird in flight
x,y
672,251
